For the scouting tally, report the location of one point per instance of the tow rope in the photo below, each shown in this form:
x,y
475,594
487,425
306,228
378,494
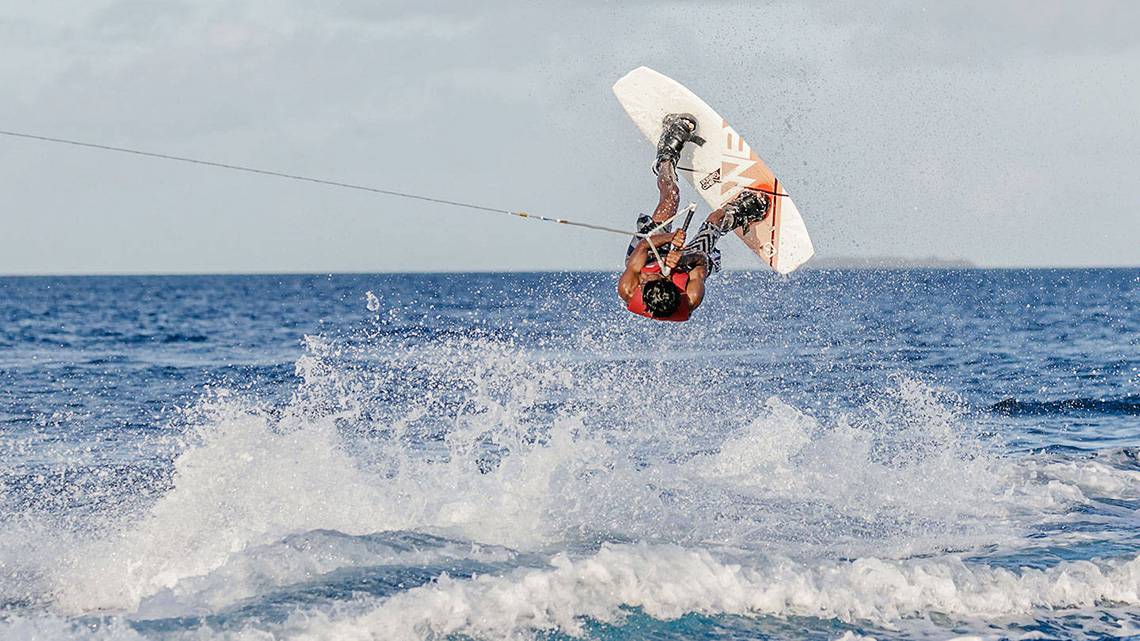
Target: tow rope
x,y
321,181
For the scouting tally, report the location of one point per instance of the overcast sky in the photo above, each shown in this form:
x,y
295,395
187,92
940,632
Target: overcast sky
x,y
1006,133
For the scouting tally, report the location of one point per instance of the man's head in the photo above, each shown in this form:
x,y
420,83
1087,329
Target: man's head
x,y
661,297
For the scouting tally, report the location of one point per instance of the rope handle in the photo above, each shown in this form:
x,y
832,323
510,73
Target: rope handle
x,y
647,235
689,211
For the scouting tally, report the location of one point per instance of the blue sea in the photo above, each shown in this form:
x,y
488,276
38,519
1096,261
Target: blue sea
x,y
895,454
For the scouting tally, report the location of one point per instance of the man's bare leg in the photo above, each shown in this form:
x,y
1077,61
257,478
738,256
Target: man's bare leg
x,y
716,218
670,197
739,212
701,249
670,194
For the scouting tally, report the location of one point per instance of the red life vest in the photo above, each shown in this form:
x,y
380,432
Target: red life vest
x,y
680,280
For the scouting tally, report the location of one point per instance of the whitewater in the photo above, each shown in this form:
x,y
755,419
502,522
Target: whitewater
x,y
857,454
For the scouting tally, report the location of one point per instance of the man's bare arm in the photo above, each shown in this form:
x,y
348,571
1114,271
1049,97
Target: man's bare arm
x,y
641,252
628,282
695,290
630,278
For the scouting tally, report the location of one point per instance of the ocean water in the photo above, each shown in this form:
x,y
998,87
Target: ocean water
x,y
835,455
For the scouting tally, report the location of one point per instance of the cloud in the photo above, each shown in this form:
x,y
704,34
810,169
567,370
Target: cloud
x,y
900,128
981,33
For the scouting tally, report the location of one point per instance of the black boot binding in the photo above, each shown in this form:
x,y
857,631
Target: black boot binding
x,y
748,207
678,130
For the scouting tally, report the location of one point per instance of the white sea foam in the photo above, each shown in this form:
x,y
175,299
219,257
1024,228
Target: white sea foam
x,y
1092,478
52,628
765,482
668,581
241,484
851,636
305,557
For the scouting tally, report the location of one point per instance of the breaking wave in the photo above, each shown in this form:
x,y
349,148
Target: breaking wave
x,y
473,487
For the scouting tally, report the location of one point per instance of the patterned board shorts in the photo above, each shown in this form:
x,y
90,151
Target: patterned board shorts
x,y
700,248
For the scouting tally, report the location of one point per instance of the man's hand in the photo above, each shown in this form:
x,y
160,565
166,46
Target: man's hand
x,y
679,238
674,255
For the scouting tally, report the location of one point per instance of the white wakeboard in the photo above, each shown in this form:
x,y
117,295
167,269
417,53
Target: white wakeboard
x,y
721,167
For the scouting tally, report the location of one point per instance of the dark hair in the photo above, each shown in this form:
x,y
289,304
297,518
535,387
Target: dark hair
x,y
661,297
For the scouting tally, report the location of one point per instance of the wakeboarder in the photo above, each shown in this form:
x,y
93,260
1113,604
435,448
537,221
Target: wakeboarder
x,y
673,293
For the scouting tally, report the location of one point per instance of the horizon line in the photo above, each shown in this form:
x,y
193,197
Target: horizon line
x,y
806,268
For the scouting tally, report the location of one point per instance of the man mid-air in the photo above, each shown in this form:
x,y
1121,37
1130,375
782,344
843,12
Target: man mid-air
x,y
644,288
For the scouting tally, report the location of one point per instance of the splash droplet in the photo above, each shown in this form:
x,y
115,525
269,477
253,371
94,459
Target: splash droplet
x,y
373,301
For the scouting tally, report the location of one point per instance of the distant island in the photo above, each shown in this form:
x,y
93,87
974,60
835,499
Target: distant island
x,y
887,262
